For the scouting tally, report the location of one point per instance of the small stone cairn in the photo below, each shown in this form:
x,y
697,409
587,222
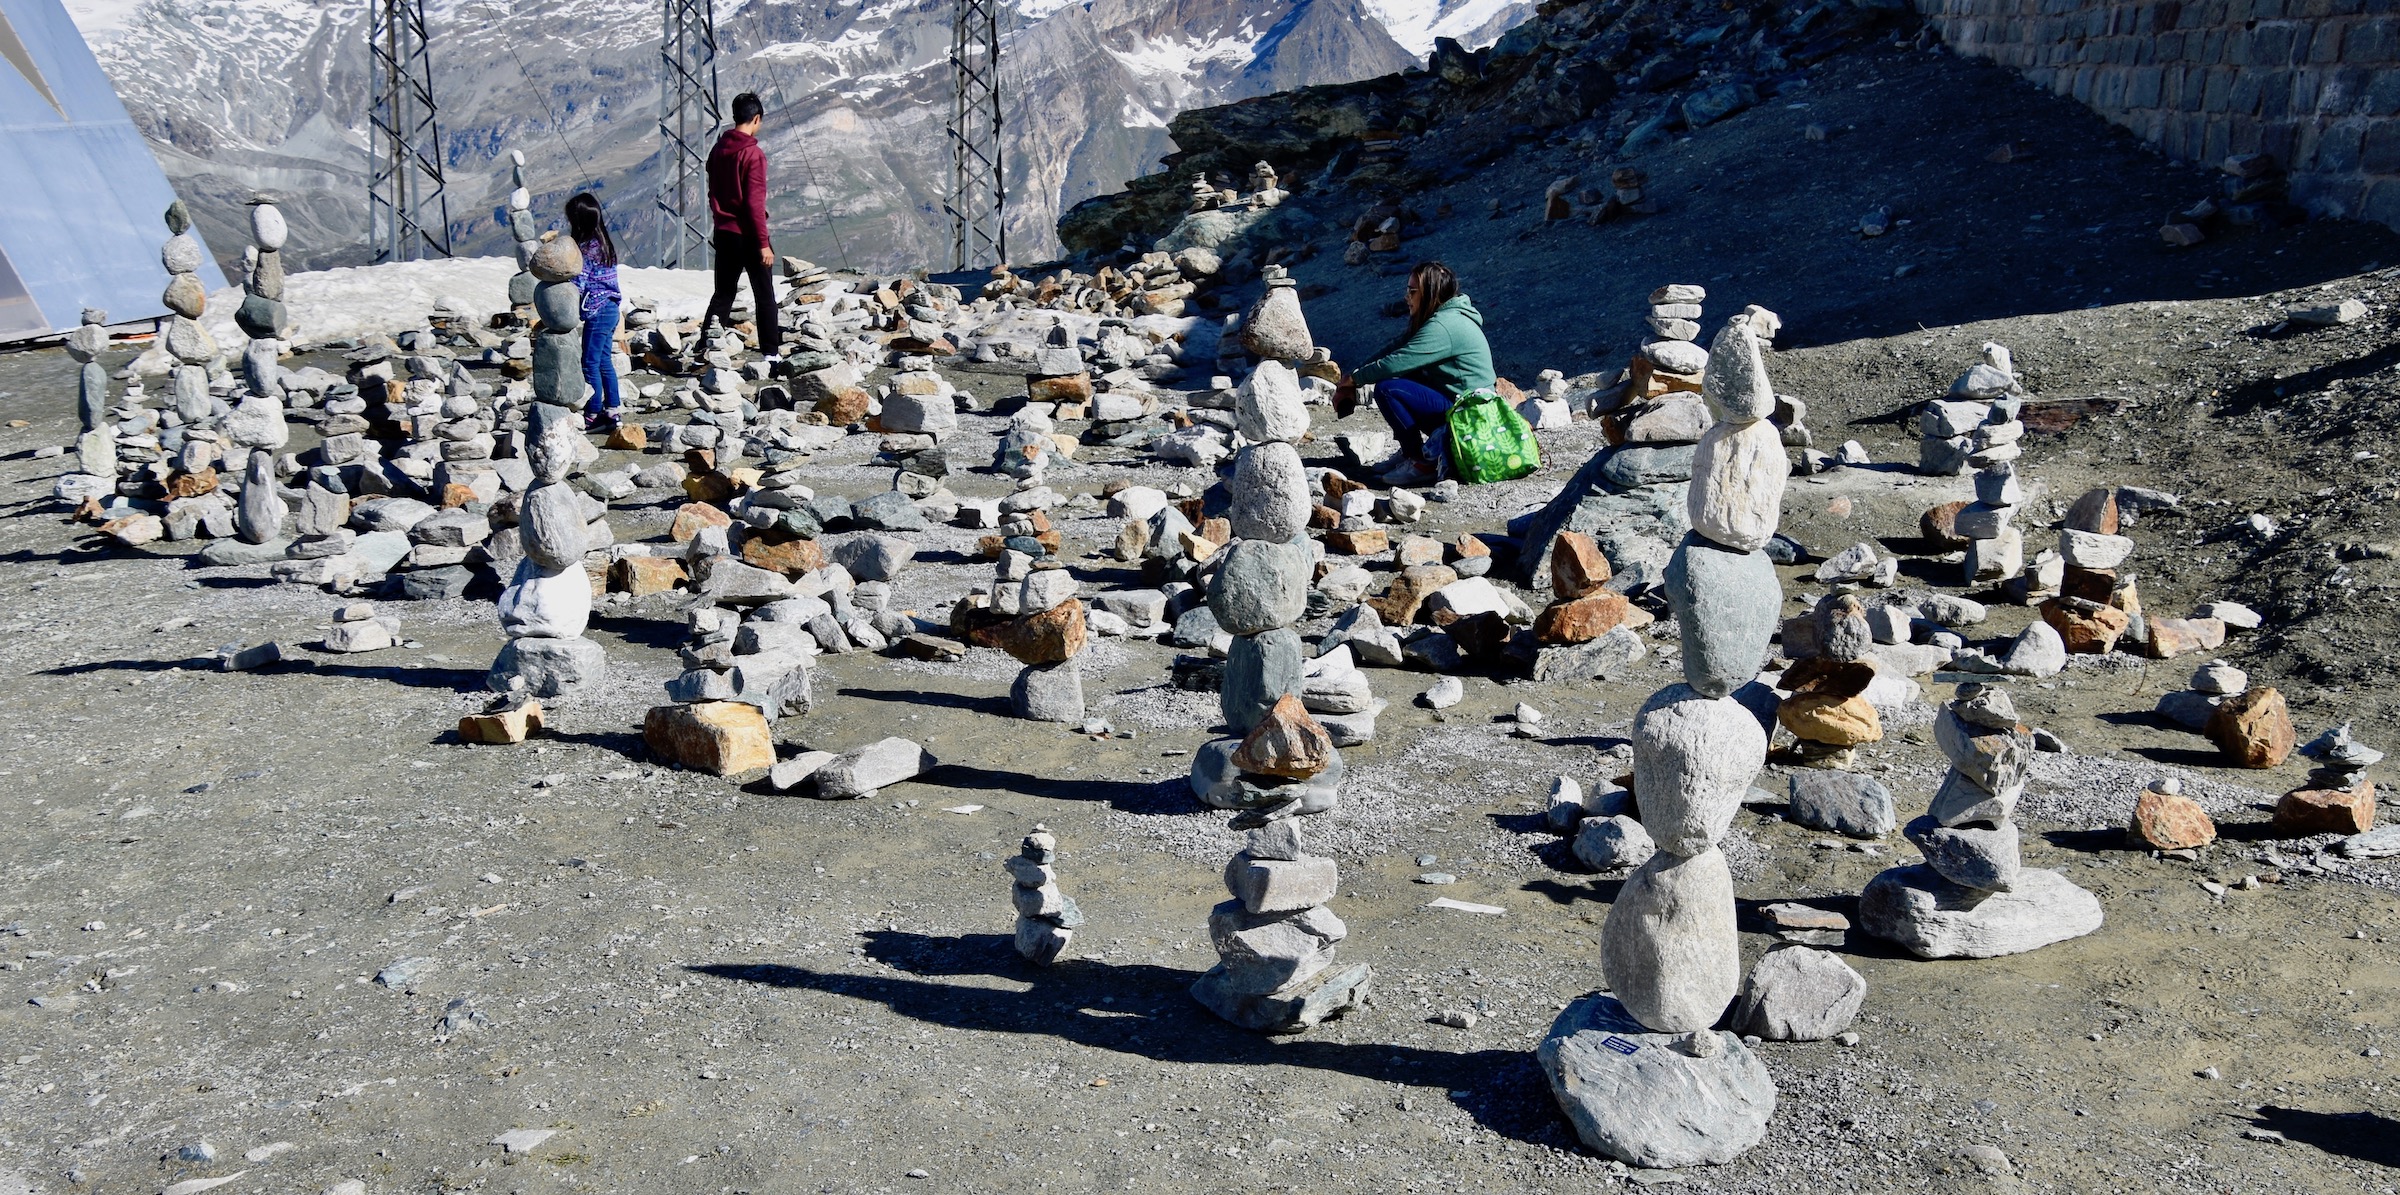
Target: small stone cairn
x,y
1670,362
1976,425
1046,916
1642,1074
545,607
719,710
256,426
1972,897
1276,938
1046,634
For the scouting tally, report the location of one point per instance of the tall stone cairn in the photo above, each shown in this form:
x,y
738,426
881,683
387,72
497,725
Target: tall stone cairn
x,y
1972,897
192,348
1643,1075
1975,425
545,608
1276,938
523,230
256,426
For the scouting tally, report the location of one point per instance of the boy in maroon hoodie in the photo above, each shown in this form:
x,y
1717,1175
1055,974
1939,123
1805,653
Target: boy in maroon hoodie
x,y
737,201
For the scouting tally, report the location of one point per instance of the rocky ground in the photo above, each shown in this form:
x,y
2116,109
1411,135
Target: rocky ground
x,y
698,985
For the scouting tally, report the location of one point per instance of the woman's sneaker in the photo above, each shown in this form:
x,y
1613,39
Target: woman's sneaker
x,y
593,422
1411,473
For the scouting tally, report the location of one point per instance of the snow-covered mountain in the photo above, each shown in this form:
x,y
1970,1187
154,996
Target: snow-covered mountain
x,y
243,95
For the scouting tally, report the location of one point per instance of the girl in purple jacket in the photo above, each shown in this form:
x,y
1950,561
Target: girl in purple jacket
x,y
598,283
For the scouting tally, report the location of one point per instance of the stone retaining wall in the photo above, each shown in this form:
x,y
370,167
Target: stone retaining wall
x,y
2314,83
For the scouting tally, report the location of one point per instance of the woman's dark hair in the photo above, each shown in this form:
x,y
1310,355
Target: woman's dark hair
x,y
1435,285
587,226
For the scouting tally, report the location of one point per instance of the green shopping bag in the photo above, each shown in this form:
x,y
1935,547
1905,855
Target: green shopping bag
x,y
1489,441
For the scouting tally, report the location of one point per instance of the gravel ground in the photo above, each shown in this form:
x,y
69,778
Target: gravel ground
x,y
702,986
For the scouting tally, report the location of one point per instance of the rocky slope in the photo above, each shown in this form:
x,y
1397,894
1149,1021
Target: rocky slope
x,y
273,95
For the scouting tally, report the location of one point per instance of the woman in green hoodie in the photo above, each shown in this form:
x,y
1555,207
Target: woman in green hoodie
x,y
1442,356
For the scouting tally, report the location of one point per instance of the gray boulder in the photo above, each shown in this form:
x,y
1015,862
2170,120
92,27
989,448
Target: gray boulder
x,y
1669,948
1799,994
1930,917
1841,802
1727,606
1655,1100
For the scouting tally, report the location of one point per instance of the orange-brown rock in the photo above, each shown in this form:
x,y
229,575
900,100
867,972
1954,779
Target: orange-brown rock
x,y
2170,822
1038,520
1323,518
2307,811
2095,512
1043,637
1338,487
709,486
1218,531
699,460
2172,637
1068,388
2087,627
2090,584
642,576
783,552
691,517
628,437
1833,721
1581,620
1286,742
844,407
502,727
1824,676
1368,542
1397,606
193,484
1577,566
2253,729
455,495
720,737
1468,545
1940,526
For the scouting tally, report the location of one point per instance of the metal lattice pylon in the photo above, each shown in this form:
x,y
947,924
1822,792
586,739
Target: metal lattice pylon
x,y
687,117
978,187
408,215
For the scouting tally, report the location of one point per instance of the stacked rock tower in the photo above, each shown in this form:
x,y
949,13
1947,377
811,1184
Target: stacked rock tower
x,y
1975,425
1275,939
523,230
546,606
256,426
1620,1066
187,341
1046,916
1972,897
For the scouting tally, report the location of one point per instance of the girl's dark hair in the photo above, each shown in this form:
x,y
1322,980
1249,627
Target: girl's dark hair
x,y
1435,285
587,225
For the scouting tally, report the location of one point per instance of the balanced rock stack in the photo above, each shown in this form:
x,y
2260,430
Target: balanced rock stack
x,y
2338,798
2166,820
1275,939
523,231
1972,897
546,606
1827,709
1976,425
256,425
1046,917
1670,361
1046,635
1266,189
84,344
1260,585
720,707
1582,609
189,343
1642,1074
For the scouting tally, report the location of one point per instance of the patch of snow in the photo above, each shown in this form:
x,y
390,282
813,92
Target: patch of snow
x,y
395,297
1475,23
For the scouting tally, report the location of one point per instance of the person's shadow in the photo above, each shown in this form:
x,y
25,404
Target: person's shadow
x,y
1147,1011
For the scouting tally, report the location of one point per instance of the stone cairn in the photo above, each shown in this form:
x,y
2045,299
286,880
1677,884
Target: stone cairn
x,y
1642,1074
256,426
522,229
1976,425
1046,917
546,606
1046,633
193,349
720,708
1827,709
1275,940
96,445
1972,897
